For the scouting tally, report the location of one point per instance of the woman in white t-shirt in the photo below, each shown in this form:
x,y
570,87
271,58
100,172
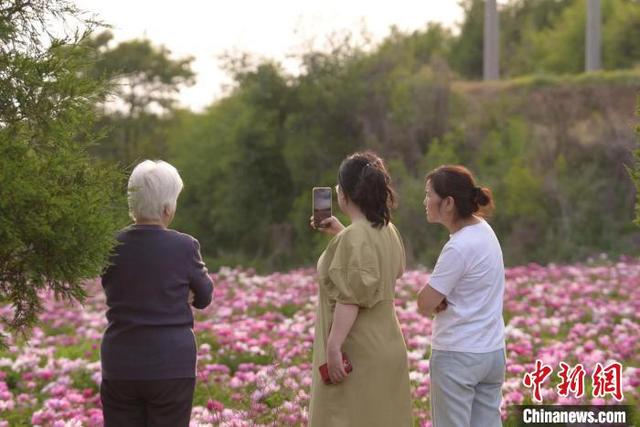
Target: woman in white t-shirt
x,y
465,292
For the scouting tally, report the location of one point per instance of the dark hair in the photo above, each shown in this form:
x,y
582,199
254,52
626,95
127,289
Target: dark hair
x,y
458,182
364,179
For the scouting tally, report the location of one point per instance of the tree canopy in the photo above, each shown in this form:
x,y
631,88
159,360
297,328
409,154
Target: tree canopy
x,y
59,209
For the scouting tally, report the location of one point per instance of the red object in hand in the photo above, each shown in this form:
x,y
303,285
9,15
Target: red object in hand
x,y
324,369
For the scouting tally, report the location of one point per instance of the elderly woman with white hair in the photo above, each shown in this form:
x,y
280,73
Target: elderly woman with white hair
x,y
148,350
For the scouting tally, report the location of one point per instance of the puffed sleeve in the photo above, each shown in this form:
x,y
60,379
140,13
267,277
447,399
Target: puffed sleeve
x,y
354,274
200,283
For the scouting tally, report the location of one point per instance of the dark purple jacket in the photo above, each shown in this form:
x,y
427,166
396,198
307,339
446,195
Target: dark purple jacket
x,y
150,332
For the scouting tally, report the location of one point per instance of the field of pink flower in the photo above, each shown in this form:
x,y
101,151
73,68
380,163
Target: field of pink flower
x,y
255,345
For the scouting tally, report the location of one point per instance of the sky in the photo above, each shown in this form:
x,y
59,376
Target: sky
x,y
275,29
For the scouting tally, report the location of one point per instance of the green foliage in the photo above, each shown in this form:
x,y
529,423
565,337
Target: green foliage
x,y
81,379
140,111
12,380
635,172
443,151
621,31
548,36
561,47
86,350
292,133
287,310
205,391
545,36
420,47
520,23
619,78
19,417
58,209
250,160
234,360
422,242
147,77
466,52
522,191
239,144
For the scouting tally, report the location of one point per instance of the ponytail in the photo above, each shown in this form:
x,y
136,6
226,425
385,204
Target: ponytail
x,y
366,182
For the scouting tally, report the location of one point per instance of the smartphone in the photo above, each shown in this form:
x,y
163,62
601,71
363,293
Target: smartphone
x,y
321,204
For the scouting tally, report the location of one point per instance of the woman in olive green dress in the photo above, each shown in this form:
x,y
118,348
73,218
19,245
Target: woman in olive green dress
x,y
355,314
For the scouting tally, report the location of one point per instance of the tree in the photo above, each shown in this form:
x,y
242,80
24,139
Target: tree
x,y
466,52
549,36
238,189
250,160
58,210
521,22
148,80
146,84
621,35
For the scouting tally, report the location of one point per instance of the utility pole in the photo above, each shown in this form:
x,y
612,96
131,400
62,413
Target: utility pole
x,y
491,63
593,49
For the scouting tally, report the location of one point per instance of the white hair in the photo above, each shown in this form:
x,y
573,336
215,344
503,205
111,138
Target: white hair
x,y
153,186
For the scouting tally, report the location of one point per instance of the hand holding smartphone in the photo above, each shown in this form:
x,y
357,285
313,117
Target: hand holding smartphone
x,y
321,205
324,369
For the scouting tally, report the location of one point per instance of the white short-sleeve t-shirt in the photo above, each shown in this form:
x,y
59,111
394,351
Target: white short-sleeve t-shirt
x,y
470,272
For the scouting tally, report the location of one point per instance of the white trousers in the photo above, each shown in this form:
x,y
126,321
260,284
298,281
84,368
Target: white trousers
x,y
466,388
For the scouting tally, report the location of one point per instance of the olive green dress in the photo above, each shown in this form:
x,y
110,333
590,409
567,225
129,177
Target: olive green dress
x,y
360,266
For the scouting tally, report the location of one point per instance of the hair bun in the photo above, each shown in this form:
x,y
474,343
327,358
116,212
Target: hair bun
x,y
458,182
481,197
